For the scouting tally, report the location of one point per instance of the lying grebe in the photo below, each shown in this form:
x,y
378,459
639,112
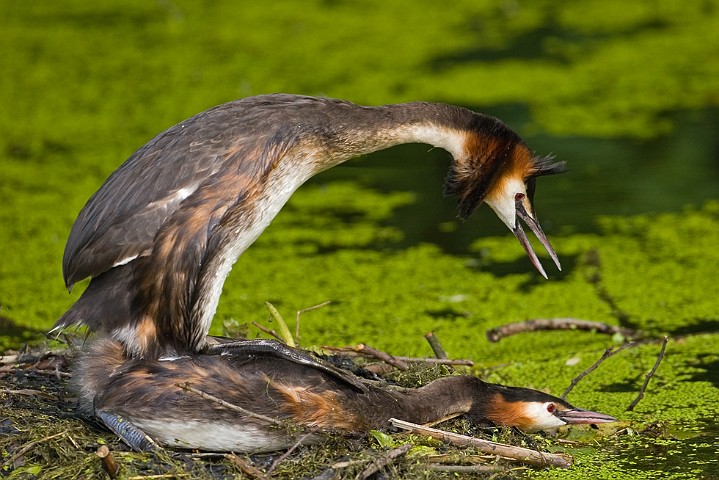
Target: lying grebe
x,y
138,397
160,236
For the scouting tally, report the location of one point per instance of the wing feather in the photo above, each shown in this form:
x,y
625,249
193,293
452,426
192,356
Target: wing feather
x,y
120,221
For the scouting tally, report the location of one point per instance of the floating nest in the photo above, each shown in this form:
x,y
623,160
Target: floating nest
x,y
42,435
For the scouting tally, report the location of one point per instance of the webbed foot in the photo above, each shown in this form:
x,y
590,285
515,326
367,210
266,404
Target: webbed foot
x,y
127,431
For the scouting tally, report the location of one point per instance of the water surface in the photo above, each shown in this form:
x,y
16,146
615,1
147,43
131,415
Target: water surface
x,y
605,177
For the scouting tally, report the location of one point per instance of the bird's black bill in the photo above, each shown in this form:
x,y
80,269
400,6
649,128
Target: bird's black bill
x,y
533,225
578,416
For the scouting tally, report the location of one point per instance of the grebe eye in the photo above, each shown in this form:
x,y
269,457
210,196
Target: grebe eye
x,y
551,407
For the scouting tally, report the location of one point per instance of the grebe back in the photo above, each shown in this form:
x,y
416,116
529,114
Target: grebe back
x,y
160,236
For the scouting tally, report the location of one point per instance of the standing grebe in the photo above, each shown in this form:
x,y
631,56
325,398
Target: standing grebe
x,y
138,397
161,234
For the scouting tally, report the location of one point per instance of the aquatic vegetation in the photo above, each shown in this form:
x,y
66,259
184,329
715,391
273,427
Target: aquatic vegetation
x,y
84,85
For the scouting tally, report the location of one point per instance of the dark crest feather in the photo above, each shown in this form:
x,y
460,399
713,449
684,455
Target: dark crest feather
x,y
547,166
472,185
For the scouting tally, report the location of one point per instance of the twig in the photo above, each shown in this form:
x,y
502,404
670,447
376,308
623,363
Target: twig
x,y
496,334
305,310
268,331
29,447
54,373
157,476
30,357
7,359
108,461
466,469
237,408
353,352
385,357
649,376
249,470
73,441
520,454
459,458
436,346
330,473
607,353
289,451
386,459
30,392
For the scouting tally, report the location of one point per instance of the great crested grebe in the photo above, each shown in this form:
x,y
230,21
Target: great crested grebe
x,y
137,398
161,234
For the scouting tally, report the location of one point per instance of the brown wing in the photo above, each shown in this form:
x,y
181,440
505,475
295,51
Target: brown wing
x,y
121,219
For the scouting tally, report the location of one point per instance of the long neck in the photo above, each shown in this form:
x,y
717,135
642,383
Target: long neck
x,y
438,400
359,130
482,147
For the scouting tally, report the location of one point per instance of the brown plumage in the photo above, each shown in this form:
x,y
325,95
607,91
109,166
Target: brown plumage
x,y
295,393
161,234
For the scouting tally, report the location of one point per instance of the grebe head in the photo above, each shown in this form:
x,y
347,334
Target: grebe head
x,y
501,171
532,410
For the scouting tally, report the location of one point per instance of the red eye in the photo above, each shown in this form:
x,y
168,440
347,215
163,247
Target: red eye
x,y
551,407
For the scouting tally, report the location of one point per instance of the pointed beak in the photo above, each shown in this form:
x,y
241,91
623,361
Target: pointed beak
x,y
521,213
577,416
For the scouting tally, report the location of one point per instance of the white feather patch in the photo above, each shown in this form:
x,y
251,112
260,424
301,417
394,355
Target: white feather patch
x,y
215,436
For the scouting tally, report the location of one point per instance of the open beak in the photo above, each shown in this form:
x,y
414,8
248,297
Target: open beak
x,y
521,213
578,416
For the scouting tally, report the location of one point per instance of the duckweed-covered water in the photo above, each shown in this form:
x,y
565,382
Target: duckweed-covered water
x,y
625,93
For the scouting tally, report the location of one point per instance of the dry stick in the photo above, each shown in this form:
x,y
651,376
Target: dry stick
x,y
520,454
268,331
305,310
7,359
467,469
381,462
331,471
353,352
496,334
108,461
237,408
288,452
29,447
453,459
54,373
72,440
158,476
649,376
25,358
385,357
30,392
436,346
249,470
607,353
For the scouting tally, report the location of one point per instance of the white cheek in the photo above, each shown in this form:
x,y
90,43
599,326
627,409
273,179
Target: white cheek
x,y
502,200
543,420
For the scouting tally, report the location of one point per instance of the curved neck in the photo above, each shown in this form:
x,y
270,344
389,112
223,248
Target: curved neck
x,y
337,132
358,130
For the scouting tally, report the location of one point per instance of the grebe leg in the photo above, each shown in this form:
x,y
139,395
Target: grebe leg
x,y
280,350
127,431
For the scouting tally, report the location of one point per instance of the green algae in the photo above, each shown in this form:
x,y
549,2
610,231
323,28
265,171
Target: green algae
x,y
84,85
